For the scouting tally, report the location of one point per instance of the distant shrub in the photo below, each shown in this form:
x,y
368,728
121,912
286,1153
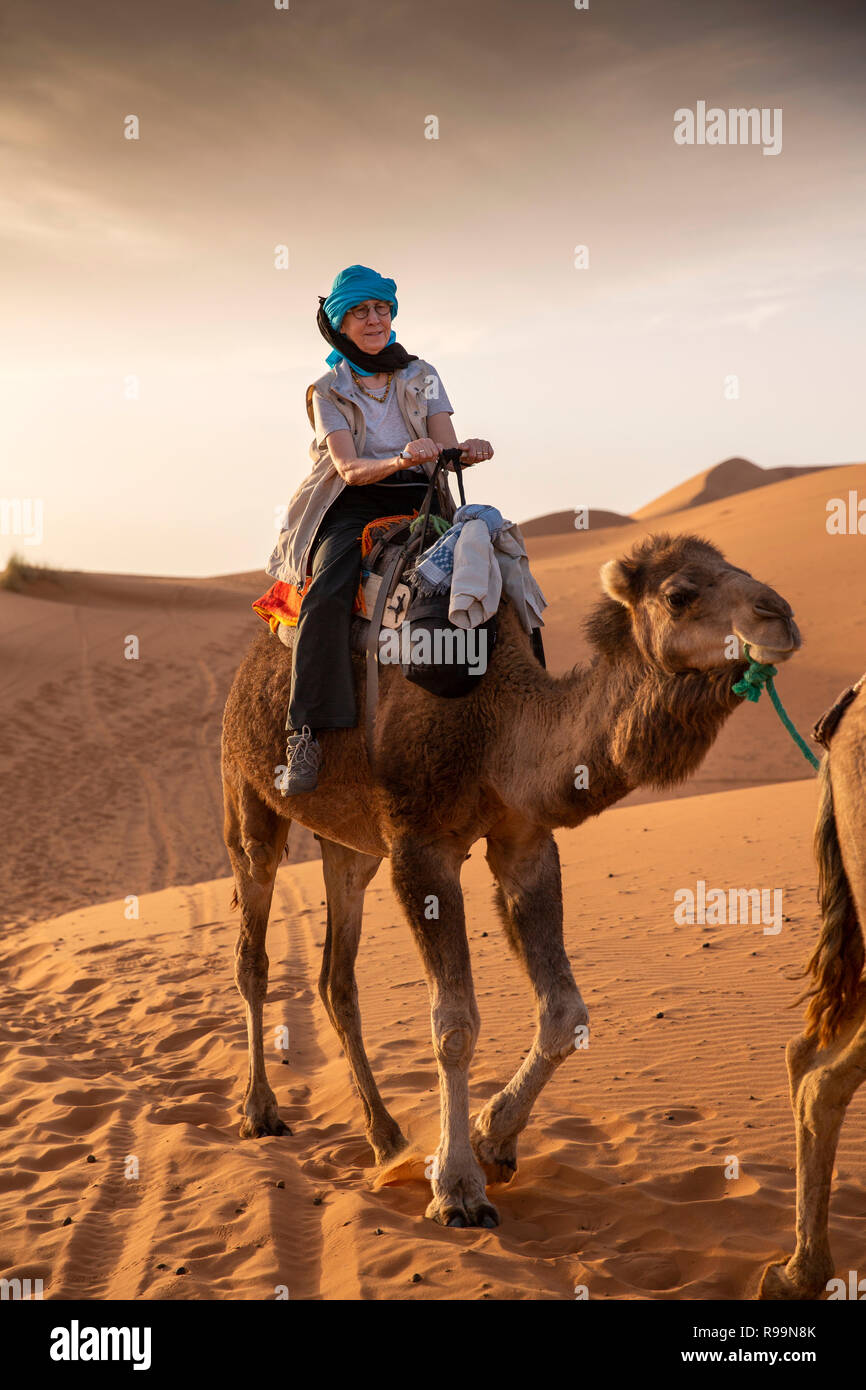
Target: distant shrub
x,y
20,572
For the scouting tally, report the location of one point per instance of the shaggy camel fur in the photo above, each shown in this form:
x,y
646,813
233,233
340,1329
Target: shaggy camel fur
x,y
828,1063
498,764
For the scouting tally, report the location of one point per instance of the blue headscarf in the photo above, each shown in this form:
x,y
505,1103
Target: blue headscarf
x,y
352,286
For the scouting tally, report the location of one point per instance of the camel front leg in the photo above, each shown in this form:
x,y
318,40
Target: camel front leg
x,y
525,863
822,1084
427,882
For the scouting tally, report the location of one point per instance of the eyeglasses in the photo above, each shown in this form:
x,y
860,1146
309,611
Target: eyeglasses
x,y
362,311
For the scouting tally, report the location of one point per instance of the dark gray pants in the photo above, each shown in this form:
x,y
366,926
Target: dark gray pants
x,y
323,687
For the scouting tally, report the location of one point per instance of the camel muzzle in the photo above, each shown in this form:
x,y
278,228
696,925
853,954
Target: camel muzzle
x,y
778,642
776,636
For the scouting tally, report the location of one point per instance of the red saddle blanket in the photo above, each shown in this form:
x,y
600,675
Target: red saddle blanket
x,y
282,602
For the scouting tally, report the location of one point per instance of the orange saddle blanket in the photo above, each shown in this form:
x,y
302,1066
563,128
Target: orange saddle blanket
x,y
282,603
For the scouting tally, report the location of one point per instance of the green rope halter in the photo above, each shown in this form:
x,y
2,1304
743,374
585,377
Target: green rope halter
x,y
749,687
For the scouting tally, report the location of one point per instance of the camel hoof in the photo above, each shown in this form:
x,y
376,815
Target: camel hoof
x,y
448,1210
500,1172
497,1158
777,1285
386,1150
261,1129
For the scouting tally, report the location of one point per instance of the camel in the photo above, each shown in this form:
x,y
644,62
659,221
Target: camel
x,y
497,764
827,1062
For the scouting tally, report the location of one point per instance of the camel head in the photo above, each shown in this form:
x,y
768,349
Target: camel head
x,y
682,602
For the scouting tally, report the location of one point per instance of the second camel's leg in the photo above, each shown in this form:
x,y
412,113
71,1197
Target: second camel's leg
x,y
822,1084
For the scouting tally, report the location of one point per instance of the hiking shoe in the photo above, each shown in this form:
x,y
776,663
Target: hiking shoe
x,y
304,758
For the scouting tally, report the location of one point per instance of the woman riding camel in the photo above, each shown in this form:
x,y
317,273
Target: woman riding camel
x,y
381,418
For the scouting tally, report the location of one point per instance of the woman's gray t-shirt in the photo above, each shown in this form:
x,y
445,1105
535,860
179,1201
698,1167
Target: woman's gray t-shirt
x,y
387,434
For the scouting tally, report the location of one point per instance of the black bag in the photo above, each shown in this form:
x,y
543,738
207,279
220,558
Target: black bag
x,y
434,663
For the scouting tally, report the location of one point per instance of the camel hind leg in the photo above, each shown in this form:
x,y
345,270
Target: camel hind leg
x,y
525,864
347,873
255,837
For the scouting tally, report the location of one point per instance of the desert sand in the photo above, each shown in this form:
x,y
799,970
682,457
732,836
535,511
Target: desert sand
x,y
123,1039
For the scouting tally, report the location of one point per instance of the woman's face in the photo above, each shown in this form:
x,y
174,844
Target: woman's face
x,y
370,333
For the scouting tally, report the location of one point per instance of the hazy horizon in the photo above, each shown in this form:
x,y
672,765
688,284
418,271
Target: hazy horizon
x,y
153,259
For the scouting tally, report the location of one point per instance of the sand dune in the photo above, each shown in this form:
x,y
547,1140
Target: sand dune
x,y
722,480
123,1038
562,523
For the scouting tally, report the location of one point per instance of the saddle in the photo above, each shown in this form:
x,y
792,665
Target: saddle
x,y
831,718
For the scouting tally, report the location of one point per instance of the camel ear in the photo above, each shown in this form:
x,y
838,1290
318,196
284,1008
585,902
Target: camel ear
x,y
618,581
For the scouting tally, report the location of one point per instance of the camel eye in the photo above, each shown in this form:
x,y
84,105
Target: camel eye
x,y
679,599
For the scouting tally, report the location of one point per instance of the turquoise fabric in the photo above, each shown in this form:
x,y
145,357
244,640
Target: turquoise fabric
x,y
353,286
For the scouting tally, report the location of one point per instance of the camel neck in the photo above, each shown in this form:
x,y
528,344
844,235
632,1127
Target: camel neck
x,y
617,727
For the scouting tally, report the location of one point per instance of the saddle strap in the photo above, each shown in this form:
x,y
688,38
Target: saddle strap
x,y
831,719
389,579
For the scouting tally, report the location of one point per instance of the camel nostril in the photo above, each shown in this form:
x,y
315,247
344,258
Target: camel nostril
x,y
767,609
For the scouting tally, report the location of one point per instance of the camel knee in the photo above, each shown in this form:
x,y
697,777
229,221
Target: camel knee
x,y
823,1096
340,998
252,984
262,860
454,1040
564,1030
799,1056
251,970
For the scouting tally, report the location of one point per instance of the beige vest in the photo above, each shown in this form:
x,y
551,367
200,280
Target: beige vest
x,y
324,484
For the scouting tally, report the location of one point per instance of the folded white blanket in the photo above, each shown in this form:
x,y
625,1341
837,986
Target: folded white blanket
x,y
476,581
483,568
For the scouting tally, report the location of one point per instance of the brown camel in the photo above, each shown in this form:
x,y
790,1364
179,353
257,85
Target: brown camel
x,y
828,1063
497,764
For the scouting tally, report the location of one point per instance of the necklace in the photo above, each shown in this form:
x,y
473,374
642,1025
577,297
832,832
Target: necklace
x,y
372,394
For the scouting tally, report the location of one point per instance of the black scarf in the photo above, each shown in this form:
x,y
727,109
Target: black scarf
x,y
390,359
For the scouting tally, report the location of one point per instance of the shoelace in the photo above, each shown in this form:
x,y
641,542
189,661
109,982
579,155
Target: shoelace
x,y
302,753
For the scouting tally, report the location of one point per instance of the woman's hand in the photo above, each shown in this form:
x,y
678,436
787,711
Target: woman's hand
x,y
422,450
475,451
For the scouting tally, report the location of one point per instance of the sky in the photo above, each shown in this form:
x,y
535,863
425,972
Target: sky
x,y
154,358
